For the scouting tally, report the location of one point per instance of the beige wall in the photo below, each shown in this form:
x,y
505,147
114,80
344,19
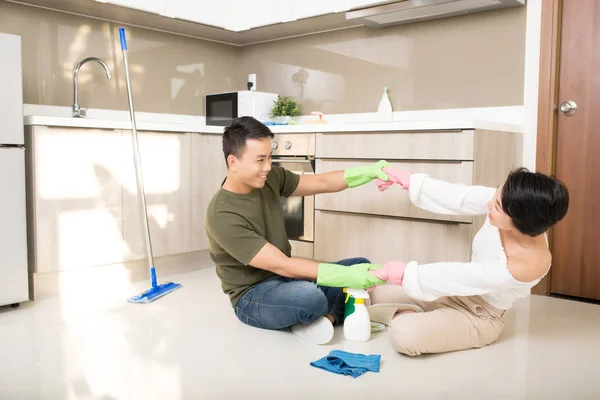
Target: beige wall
x,y
170,73
470,61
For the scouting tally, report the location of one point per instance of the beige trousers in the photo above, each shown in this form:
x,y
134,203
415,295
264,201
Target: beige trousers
x,y
448,324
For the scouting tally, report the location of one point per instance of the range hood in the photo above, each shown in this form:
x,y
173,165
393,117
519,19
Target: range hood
x,y
409,11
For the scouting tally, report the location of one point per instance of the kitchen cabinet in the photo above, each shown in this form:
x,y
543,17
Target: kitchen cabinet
x,y
167,168
83,202
386,226
381,239
451,145
240,15
219,20
353,4
208,173
233,15
395,202
151,6
258,13
74,197
84,209
302,249
313,8
222,14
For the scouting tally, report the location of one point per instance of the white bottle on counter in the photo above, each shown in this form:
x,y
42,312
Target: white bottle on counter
x,y
384,111
357,324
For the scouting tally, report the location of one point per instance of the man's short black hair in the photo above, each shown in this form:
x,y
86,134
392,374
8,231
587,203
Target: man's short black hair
x,y
534,201
240,130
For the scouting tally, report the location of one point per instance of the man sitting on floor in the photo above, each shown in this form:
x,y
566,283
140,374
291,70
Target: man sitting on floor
x,y
248,243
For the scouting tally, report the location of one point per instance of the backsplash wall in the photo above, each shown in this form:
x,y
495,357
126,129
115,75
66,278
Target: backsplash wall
x,y
170,73
468,61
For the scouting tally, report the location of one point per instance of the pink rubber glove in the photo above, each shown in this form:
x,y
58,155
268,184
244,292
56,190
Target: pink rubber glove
x,y
392,272
395,175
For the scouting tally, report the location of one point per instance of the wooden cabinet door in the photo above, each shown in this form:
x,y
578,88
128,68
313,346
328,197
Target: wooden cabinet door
x,y
166,168
208,173
75,197
380,239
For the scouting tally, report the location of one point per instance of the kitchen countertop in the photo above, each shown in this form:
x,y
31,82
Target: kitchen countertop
x,y
191,127
96,123
456,119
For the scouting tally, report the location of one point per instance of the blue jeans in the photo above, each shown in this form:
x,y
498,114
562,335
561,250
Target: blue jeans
x,y
280,302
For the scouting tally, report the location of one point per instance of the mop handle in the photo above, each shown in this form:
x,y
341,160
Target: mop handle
x,y
137,160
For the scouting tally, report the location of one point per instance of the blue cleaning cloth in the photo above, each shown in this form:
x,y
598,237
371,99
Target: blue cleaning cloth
x,y
344,363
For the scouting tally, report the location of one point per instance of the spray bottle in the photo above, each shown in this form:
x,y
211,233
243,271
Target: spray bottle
x,y
384,111
357,325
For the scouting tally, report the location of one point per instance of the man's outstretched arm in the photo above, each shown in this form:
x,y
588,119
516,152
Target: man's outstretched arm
x,y
336,181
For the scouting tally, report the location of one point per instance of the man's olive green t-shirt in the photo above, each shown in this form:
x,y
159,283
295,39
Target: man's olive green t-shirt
x,y
239,225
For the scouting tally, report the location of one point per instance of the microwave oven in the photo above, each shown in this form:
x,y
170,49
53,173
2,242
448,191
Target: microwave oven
x,y
222,108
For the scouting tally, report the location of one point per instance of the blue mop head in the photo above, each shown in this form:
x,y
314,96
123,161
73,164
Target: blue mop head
x,y
155,292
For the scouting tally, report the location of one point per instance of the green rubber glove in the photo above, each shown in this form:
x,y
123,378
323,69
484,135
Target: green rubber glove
x,y
354,276
357,176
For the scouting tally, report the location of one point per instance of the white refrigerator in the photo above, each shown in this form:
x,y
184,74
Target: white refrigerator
x,y
14,287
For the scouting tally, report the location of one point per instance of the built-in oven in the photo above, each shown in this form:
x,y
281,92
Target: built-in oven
x,y
296,153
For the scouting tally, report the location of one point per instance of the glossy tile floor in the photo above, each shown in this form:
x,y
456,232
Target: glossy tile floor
x,y
189,345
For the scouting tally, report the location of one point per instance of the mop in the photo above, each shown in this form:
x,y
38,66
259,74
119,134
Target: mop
x,y
156,291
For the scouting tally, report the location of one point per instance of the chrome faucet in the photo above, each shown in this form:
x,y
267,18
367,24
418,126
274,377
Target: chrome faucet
x,y
77,111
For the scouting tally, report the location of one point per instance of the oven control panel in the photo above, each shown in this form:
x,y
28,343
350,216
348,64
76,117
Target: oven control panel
x,y
296,144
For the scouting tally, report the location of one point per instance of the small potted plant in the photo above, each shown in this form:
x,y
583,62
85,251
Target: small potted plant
x,y
283,110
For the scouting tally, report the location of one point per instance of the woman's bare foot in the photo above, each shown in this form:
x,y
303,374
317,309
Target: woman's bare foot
x,y
403,312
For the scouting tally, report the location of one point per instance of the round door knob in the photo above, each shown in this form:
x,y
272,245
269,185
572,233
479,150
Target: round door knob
x,y
569,107
274,146
288,145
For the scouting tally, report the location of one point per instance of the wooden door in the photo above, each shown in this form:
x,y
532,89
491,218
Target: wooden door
x,y
576,239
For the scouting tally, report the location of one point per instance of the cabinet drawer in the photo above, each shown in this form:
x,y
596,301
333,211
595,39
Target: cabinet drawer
x,y
380,239
302,249
395,201
457,145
